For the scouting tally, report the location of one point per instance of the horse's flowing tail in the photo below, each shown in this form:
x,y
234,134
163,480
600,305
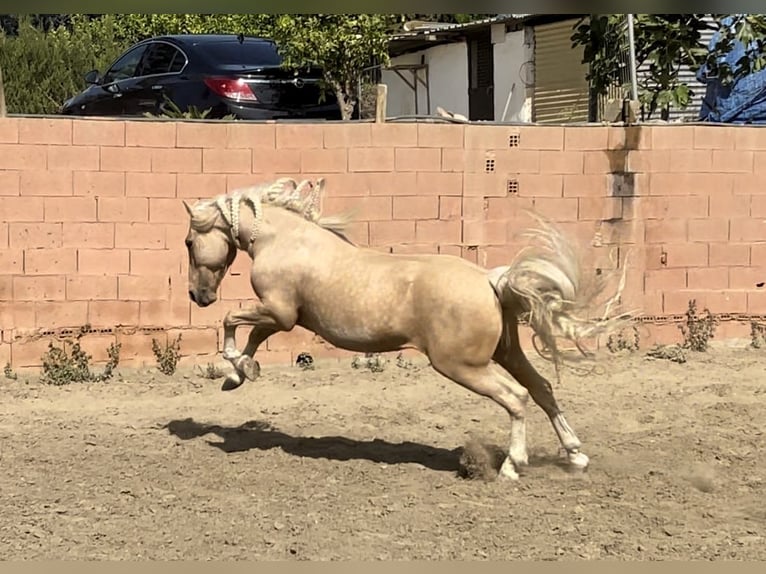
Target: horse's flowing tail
x,y
547,283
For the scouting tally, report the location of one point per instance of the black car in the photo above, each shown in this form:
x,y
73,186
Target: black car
x,y
230,74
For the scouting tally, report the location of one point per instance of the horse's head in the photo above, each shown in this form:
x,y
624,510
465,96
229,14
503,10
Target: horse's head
x,y
211,251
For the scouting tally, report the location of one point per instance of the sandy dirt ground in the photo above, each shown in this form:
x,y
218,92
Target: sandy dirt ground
x,y
344,463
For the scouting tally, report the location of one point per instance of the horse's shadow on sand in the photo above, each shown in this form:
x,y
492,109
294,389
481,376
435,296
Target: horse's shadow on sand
x,y
261,435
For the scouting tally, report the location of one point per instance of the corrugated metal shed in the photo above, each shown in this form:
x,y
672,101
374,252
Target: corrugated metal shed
x,y
561,92
434,33
431,27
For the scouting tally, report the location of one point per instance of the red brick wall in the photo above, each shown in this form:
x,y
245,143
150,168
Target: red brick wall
x,y
92,226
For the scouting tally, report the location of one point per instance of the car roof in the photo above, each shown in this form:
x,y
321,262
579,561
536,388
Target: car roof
x,y
202,39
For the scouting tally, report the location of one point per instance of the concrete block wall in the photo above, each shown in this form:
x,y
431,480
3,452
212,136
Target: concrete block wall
x,y
92,225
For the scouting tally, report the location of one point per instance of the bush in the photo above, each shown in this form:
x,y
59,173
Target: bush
x,y
167,358
62,367
42,70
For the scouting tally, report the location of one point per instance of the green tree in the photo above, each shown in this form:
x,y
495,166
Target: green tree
x,y
667,42
136,27
341,44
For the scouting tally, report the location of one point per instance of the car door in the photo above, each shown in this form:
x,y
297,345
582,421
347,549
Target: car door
x,y
156,76
116,82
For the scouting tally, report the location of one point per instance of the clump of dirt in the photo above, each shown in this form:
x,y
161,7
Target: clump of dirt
x,y
480,460
702,477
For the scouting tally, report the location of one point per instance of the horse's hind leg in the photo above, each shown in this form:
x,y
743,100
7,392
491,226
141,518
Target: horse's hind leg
x,y
511,357
499,387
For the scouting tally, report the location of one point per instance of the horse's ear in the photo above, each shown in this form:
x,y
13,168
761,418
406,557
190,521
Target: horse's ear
x,y
188,208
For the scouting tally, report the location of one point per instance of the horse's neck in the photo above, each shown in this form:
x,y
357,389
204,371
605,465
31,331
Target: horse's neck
x,y
285,222
290,227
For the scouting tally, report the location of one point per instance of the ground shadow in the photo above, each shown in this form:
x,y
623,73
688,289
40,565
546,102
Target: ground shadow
x,y
261,435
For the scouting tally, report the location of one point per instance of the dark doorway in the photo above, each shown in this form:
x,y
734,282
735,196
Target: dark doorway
x,y
481,77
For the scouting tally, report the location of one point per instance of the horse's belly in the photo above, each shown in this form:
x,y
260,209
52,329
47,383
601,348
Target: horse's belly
x,y
368,319
357,334
375,344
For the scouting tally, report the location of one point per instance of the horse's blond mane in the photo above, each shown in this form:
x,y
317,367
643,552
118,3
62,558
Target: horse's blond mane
x,y
302,198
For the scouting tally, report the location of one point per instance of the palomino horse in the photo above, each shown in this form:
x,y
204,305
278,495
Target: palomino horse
x,y
463,317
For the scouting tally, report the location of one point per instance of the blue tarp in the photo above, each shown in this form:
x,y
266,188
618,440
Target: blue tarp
x,y
741,102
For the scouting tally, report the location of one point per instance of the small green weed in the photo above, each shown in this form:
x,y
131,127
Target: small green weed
x,y
62,367
211,372
403,363
167,358
757,335
375,362
622,343
172,111
673,353
9,372
699,329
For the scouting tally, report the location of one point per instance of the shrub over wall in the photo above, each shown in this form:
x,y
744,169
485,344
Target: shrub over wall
x,y
42,70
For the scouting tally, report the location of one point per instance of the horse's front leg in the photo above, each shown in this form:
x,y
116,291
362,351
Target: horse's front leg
x,y
264,324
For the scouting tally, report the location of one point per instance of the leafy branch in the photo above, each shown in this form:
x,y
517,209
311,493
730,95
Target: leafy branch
x,y
668,43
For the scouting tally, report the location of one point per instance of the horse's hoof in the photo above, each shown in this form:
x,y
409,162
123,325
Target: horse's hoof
x,y
508,471
249,367
578,461
232,382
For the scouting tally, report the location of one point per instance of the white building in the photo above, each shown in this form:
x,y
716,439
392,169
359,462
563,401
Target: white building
x,y
510,68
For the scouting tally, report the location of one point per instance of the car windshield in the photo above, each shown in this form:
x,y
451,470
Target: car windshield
x,y
246,55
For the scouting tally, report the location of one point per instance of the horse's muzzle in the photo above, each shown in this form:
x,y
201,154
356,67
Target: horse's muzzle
x,y
202,300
